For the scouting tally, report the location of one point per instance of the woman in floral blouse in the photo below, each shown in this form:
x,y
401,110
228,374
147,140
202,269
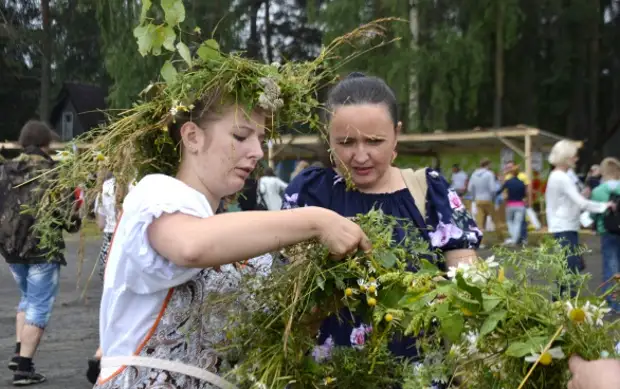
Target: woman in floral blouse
x,y
363,130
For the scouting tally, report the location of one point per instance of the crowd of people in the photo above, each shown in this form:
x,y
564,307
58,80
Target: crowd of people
x,y
171,247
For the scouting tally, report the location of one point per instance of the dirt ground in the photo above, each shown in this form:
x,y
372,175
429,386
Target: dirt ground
x,y
72,335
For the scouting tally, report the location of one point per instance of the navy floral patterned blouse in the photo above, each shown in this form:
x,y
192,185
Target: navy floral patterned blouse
x,y
448,226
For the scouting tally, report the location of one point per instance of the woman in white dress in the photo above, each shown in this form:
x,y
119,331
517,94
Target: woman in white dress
x,y
170,251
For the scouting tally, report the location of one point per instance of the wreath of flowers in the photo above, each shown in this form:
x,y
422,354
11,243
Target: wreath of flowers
x,y
136,142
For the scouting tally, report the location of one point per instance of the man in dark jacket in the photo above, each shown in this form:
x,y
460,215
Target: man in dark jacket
x,y
36,271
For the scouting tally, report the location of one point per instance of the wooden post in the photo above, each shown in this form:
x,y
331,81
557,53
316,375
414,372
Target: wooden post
x,y
528,166
270,155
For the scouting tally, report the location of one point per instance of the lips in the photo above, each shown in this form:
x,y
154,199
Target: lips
x,y
362,171
244,171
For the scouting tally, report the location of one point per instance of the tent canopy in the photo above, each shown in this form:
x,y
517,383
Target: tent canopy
x,y
433,144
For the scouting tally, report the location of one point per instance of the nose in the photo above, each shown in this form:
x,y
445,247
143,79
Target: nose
x,y
256,151
360,155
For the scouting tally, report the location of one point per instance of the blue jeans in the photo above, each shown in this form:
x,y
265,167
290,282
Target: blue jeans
x,y
610,248
38,285
523,237
514,219
570,241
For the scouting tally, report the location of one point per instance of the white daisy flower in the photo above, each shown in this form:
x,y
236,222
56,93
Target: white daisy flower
x,y
546,357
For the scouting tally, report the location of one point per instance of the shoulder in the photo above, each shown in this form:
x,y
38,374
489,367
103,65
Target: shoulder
x,y
313,186
167,194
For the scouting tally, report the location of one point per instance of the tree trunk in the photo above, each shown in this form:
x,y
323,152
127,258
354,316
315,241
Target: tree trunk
x,y
253,46
268,32
44,103
413,122
499,64
594,68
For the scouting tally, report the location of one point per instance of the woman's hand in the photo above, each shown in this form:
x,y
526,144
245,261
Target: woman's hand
x,y
339,234
599,374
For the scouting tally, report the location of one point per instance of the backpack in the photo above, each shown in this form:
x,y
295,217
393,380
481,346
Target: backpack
x,y
611,218
17,189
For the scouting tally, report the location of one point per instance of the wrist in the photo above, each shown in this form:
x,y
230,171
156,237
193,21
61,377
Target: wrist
x,y
314,217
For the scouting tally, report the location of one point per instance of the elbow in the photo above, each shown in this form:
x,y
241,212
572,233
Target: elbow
x,y
195,253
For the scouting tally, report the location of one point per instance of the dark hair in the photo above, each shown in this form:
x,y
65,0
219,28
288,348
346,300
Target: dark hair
x,y
358,88
268,172
456,166
485,162
36,133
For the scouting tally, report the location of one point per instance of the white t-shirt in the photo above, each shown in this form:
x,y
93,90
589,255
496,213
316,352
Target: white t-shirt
x,y
270,190
137,278
565,203
459,179
105,204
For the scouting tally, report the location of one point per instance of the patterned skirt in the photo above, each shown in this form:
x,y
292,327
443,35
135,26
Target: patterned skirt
x,y
103,253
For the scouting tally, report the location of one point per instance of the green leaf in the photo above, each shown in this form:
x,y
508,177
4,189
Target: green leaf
x,y
490,302
521,349
143,34
168,72
146,5
452,327
320,282
209,50
518,350
428,268
492,321
386,259
169,37
174,11
391,296
475,292
442,310
184,52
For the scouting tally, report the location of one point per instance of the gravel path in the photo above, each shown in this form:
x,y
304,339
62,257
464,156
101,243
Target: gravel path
x,y
72,335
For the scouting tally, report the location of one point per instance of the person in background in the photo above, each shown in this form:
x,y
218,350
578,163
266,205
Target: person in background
x,y
482,187
610,243
565,203
512,169
594,177
270,190
537,192
301,165
515,207
459,180
36,274
248,198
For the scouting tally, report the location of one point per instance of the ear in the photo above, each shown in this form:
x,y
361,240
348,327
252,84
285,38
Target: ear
x,y
398,130
191,137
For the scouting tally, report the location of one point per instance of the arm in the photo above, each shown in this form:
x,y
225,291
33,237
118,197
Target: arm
x,y
499,192
281,185
206,242
572,192
470,189
454,257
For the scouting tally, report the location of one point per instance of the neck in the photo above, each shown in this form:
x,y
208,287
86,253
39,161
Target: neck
x,y
562,168
186,175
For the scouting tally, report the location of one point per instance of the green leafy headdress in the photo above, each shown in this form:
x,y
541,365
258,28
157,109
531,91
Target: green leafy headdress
x,y
137,142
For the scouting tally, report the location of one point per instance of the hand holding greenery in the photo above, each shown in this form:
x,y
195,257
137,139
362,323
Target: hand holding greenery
x,y
504,332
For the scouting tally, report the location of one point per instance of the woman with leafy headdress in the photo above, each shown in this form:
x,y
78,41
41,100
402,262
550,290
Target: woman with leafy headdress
x,y
363,127
170,251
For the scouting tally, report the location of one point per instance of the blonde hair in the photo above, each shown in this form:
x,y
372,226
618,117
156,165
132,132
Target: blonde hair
x,y
562,151
301,165
610,169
